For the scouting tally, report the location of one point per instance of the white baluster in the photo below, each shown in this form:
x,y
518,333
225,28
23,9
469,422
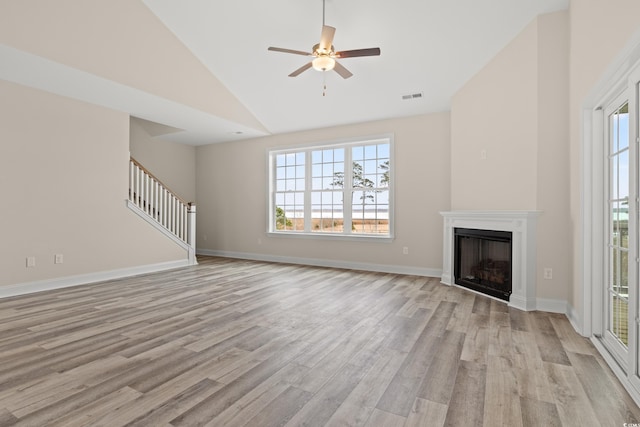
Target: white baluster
x,y
183,228
184,223
180,229
131,180
173,214
154,192
163,220
138,188
176,215
156,206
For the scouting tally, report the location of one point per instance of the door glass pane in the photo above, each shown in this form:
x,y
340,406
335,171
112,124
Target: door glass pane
x,y
618,252
620,319
623,127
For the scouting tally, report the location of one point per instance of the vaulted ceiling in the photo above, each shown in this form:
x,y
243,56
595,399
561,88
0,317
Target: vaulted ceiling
x,y
429,47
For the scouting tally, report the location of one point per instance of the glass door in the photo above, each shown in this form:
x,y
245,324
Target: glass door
x,y
617,316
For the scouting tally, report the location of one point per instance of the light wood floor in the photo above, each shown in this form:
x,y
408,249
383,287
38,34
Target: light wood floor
x,y
233,342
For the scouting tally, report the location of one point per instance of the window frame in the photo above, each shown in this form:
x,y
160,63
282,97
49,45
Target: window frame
x,y
307,148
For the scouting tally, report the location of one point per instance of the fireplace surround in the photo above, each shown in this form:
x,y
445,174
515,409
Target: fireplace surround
x,y
521,225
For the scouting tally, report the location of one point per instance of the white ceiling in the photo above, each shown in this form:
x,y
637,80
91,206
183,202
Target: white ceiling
x,y
428,46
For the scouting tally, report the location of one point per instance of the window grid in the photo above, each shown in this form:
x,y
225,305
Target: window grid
x,y
370,196
346,190
290,181
327,177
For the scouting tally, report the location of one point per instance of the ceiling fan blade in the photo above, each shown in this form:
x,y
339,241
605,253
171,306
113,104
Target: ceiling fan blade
x,y
374,51
305,67
296,52
326,38
344,73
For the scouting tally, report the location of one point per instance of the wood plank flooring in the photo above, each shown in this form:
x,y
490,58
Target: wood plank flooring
x,y
241,343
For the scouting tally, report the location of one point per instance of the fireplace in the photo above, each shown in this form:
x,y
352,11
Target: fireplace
x,y
521,225
483,261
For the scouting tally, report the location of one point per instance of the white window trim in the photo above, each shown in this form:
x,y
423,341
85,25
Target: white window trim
x,y
270,155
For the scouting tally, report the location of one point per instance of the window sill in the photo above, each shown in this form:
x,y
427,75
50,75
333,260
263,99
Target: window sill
x,y
332,236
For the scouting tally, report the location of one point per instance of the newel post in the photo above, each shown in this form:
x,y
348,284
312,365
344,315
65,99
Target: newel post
x,y
191,232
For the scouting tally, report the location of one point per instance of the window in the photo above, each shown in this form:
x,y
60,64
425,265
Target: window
x,y
337,189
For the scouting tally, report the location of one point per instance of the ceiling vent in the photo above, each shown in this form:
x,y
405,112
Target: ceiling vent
x,y
412,96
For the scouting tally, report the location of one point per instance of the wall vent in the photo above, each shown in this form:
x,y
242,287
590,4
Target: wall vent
x,y
412,96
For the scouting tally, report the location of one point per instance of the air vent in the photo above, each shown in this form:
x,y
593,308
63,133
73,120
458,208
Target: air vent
x,y
412,96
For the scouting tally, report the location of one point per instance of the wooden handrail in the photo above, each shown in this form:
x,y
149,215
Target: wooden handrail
x,y
145,170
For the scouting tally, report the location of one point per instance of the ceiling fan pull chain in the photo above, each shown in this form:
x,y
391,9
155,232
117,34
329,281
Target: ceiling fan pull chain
x,y
324,83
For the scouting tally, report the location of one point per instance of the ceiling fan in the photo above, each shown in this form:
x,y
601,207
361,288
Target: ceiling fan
x,y
324,54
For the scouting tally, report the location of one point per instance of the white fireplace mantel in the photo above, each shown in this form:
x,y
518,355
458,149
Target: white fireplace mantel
x,y
522,225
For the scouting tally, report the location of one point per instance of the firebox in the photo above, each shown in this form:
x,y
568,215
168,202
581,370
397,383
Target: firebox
x,y
483,261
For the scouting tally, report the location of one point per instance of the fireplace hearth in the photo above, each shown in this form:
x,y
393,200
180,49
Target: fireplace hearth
x,y
522,274
483,261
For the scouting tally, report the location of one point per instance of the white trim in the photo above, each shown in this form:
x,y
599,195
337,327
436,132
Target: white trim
x,y
307,148
541,304
319,262
331,236
85,279
549,305
552,306
191,252
617,370
614,81
573,317
522,225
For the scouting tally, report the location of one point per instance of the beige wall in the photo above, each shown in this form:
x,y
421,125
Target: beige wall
x,y
172,163
496,111
123,41
599,31
232,194
63,179
552,173
515,110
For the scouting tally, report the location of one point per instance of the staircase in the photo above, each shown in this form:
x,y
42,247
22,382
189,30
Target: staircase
x,y
163,209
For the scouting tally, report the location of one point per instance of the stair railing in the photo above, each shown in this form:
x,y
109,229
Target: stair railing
x,y
151,196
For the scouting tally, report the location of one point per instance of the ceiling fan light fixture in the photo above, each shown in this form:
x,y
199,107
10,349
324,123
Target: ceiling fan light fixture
x,y
324,54
323,63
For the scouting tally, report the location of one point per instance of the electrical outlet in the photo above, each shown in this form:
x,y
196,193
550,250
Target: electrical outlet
x,y
548,273
58,259
483,154
405,250
31,262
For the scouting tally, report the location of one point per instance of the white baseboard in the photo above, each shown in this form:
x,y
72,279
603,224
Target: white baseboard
x,y
543,304
84,279
572,315
552,305
381,268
